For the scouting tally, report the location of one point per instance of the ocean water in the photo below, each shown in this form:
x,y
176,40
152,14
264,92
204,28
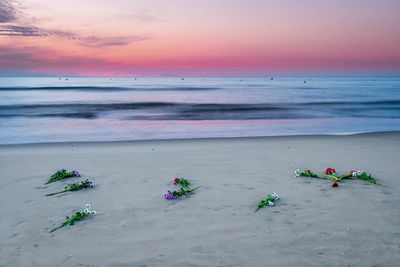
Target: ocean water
x,y
106,109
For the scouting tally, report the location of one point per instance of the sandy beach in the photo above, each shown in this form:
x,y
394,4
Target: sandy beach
x,y
313,224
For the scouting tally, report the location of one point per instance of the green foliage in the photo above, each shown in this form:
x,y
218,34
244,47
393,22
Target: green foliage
x,y
182,182
364,176
76,217
62,174
334,178
185,189
308,174
182,191
75,187
269,200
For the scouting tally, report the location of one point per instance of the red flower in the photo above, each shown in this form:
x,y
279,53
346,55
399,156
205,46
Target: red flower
x,y
176,180
330,171
308,171
351,172
335,184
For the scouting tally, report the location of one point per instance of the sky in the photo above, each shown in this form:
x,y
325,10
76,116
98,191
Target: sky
x,y
199,38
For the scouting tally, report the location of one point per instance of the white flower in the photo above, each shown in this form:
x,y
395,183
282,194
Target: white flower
x,y
86,211
355,174
275,195
270,203
87,206
94,212
297,173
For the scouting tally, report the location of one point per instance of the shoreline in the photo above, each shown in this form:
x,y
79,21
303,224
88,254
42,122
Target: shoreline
x,y
200,139
312,224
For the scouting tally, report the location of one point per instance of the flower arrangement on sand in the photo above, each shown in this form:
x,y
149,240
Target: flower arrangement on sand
x,y
330,174
87,183
185,189
268,201
76,217
62,174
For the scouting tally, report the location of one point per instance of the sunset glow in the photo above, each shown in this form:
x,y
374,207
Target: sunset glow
x,y
199,38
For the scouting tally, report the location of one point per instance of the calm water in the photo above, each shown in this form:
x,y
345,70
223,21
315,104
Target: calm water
x,y
100,109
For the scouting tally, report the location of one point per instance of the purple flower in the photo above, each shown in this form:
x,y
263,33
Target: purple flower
x,y
170,195
77,174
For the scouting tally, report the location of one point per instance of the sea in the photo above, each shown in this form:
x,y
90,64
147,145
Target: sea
x,y
80,109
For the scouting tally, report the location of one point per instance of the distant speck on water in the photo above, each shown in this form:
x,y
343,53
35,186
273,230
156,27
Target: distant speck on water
x,y
305,81
272,78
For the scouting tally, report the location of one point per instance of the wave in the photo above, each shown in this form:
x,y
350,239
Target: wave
x,y
355,103
106,88
204,111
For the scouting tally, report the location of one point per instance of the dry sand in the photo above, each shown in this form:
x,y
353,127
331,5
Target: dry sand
x,y
313,224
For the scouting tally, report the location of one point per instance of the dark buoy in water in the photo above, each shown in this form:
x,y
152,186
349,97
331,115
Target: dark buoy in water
x,y
183,78
135,78
272,78
305,81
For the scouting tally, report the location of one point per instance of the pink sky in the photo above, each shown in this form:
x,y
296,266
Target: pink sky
x,y
199,38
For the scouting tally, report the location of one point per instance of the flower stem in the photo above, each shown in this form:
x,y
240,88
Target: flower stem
x,y
192,189
326,175
346,176
57,193
325,178
54,229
